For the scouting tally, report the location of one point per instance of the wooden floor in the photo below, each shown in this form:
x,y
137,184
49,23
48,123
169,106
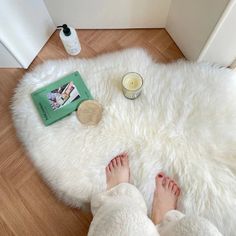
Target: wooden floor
x,y
27,205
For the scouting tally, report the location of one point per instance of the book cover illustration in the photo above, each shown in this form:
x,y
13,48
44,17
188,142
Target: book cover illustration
x,y
60,98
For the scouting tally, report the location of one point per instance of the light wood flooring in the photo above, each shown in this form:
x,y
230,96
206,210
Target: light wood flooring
x,y
27,205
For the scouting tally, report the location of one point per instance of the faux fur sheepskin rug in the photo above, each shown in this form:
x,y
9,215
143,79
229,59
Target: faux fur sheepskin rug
x,y
184,123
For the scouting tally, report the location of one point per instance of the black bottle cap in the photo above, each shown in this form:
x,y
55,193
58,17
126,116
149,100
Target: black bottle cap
x,y
66,29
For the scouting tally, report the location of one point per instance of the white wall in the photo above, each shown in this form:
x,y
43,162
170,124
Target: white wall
x,y
221,45
7,60
191,22
25,26
87,14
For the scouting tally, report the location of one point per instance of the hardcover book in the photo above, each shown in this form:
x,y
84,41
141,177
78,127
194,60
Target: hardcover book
x,y
60,98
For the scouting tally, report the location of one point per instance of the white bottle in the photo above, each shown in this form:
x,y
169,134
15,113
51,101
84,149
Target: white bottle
x,y
70,40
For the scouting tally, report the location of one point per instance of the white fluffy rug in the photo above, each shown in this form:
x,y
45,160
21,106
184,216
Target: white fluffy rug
x,y
184,124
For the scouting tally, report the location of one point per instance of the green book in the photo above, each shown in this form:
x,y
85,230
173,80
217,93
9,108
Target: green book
x,y
60,98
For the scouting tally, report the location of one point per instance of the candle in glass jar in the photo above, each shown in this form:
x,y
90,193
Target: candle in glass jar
x,y
132,85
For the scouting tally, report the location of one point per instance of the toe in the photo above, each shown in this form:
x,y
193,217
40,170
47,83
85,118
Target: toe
x,y
161,174
125,154
160,178
177,193
124,160
110,166
107,170
171,184
175,188
114,163
166,182
119,156
118,161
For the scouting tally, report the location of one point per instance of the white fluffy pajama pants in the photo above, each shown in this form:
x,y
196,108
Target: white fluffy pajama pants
x,y
121,211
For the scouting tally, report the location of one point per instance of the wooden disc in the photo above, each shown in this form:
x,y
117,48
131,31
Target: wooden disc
x,y
89,112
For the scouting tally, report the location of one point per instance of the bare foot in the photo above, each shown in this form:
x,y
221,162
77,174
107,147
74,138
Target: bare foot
x,y
165,197
117,171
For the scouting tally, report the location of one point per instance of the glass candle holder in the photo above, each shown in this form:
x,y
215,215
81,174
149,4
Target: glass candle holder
x,y
132,84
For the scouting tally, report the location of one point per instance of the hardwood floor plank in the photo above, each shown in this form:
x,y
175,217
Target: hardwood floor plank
x,y
8,145
172,53
54,216
18,169
4,229
15,214
161,40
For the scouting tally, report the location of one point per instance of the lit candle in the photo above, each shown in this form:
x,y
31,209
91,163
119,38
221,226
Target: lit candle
x,y
132,85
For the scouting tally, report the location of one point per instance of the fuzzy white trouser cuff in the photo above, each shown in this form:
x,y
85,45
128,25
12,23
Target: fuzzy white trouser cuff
x,y
122,211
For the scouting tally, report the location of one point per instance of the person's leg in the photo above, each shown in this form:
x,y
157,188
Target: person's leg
x,y
171,222
121,209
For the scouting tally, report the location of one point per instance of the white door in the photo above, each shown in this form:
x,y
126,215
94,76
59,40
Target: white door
x,y
25,26
105,14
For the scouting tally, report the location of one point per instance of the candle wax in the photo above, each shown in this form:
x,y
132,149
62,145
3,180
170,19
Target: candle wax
x,y
132,81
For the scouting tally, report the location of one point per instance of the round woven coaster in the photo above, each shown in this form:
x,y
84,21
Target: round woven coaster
x,y
89,112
